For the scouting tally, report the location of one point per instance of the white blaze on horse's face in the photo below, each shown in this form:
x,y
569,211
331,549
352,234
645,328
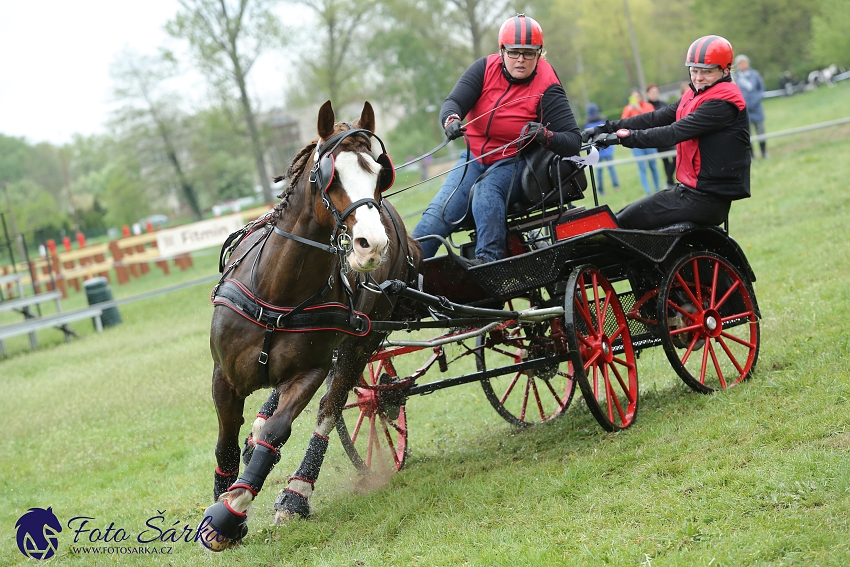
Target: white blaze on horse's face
x,y
369,237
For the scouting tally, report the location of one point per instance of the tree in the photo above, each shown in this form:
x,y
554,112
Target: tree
x,y
227,37
139,80
830,40
481,18
334,67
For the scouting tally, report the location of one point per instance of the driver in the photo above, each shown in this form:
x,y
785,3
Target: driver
x,y
502,95
710,128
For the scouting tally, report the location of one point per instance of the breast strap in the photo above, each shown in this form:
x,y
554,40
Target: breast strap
x,y
329,316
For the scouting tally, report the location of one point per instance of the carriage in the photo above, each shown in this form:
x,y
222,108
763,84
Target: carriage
x,y
594,296
574,302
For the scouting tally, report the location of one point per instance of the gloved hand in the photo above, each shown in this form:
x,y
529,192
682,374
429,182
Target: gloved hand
x,y
454,127
542,135
604,140
589,133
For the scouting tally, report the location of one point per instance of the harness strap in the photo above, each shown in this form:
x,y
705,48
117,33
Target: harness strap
x,y
313,243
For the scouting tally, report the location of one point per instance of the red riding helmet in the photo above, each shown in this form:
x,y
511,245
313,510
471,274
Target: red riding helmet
x,y
708,51
521,32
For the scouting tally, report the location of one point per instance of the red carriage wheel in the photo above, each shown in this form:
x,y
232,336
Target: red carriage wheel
x,y
531,396
709,322
373,425
601,348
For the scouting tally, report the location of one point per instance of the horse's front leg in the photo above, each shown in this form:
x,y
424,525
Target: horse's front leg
x,y
229,407
228,515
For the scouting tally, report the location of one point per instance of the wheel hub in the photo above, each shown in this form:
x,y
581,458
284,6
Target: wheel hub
x,y
712,323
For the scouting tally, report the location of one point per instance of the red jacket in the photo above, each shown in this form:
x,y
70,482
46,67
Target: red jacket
x,y
540,98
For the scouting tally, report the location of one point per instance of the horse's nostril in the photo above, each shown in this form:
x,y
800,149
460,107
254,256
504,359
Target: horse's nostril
x,y
363,243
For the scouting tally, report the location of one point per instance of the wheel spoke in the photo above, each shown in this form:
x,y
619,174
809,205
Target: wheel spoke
x,y
745,315
687,289
688,329
555,395
688,314
714,277
537,399
389,439
357,427
613,397
720,377
697,287
738,340
731,356
626,390
704,366
372,440
626,363
592,359
613,337
728,294
510,388
584,311
525,400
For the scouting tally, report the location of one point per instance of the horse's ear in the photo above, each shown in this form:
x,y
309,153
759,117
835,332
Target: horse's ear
x,y
325,125
367,117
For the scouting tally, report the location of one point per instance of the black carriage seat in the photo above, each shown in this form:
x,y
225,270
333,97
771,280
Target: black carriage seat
x,y
685,226
542,175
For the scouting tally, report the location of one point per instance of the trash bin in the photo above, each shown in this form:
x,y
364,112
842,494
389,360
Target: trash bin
x,y
97,291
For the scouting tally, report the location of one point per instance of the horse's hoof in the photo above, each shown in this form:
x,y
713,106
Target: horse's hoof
x,y
284,517
290,505
222,527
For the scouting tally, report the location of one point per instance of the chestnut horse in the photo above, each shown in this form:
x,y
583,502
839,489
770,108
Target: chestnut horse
x,y
300,283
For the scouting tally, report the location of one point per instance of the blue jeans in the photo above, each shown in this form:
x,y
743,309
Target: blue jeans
x,y
642,168
611,170
488,206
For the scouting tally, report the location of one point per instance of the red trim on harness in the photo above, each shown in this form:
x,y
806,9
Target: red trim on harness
x,y
311,482
219,472
331,305
320,436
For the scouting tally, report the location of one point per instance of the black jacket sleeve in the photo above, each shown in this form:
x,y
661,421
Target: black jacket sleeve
x,y
711,116
557,116
465,93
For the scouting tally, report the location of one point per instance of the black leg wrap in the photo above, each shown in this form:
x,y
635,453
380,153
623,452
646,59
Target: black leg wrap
x,y
225,523
262,462
223,482
248,449
313,458
270,405
293,503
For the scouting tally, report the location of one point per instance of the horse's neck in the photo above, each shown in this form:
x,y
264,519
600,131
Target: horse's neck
x,y
288,271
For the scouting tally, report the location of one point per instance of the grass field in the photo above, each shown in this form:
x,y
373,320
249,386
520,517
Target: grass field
x,y
120,428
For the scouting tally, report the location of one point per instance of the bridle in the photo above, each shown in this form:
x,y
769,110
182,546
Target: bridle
x,y
321,177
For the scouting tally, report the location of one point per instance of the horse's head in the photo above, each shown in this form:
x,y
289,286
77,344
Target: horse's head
x,y
351,170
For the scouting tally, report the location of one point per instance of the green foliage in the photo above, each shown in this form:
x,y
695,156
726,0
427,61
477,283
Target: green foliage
x,y
830,40
124,198
36,209
774,34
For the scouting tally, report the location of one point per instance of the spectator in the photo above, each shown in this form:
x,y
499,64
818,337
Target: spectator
x,y
636,107
752,87
670,161
606,154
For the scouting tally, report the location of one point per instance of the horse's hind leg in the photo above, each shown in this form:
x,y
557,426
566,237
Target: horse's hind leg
x,y
293,501
266,411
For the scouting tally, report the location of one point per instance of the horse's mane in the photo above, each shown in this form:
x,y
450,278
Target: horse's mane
x,y
298,165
